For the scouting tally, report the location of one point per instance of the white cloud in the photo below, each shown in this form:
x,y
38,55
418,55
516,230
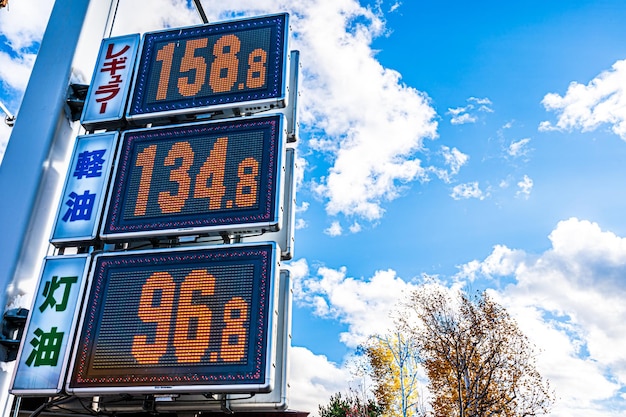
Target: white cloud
x,y
453,159
525,186
395,6
313,379
462,119
466,191
301,165
24,22
502,261
364,305
14,72
569,301
301,224
481,101
587,107
458,110
302,207
334,229
355,227
519,148
153,15
462,115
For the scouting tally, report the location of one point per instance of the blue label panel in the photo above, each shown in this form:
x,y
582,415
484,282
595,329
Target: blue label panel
x,y
177,319
80,209
42,362
203,66
108,92
196,176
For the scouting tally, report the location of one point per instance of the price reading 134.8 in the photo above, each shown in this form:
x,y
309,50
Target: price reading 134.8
x,y
209,182
205,177
206,67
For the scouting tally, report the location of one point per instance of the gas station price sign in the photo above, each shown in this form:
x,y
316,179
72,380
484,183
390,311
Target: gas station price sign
x,y
238,64
198,178
179,320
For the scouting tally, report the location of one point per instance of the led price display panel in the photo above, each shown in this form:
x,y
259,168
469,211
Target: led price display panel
x,y
178,321
197,69
198,178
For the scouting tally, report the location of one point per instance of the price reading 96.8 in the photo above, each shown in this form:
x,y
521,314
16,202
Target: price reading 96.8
x,y
188,323
186,317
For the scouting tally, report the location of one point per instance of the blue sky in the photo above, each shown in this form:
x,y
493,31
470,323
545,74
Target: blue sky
x,y
480,145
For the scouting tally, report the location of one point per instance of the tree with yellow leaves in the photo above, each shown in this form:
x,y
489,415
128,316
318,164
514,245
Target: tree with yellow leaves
x,y
477,360
394,369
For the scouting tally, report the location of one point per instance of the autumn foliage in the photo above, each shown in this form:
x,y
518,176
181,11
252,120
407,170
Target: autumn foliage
x,y
451,355
394,371
477,360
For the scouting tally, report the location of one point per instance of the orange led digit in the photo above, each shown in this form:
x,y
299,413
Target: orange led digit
x,y
234,335
194,64
257,67
212,172
225,65
145,160
155,306
173,202
193,318
165,55
247,187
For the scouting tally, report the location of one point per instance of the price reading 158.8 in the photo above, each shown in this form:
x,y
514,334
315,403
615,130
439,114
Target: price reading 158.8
x,y
235,65
222,73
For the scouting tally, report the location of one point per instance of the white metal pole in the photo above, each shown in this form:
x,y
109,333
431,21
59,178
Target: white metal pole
x,y
29,173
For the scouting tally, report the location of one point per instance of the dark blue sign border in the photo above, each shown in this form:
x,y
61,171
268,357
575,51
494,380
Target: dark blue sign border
x,y
265,212
146,378
140,104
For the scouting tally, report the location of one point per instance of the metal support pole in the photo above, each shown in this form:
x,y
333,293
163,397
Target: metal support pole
x,y
32,170
203,16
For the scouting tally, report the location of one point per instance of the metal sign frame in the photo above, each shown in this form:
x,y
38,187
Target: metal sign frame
x,y
119,350
285,234
265,215
277,400
186,83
